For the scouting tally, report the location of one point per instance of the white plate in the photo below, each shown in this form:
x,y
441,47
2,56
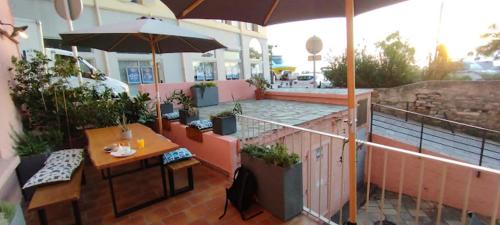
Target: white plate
x,y
123,153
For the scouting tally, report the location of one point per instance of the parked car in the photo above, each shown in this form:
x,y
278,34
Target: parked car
x,y
89,73
304,81
325,84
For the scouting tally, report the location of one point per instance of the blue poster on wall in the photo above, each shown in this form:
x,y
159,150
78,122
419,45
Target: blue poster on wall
x,y
133,75
147,75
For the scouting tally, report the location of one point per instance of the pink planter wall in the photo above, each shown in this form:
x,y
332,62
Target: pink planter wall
x,y
482,192
227,88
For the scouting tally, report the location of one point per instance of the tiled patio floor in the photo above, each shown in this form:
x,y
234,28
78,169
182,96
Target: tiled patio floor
x,y
203,205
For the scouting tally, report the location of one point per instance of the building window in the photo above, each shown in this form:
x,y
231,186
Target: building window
x,y
204,71
228,22
256,63
232,65
137,71
256,69
252,27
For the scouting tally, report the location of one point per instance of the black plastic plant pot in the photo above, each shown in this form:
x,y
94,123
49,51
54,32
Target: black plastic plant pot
x,y
279,189
224,125
166,108
185,118
207,97
27,167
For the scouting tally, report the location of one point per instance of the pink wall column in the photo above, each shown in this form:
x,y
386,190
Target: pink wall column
x,y
482,190
9,119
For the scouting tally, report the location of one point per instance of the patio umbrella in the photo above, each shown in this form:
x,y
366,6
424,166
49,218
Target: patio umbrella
x,y
143,35
267,12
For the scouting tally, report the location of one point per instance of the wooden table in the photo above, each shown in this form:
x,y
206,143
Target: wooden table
x,y
155,146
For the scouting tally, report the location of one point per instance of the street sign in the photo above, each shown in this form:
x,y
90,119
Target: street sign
x,y
314,45
72,7
314,58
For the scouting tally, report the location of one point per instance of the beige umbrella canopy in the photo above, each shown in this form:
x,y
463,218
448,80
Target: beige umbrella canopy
x,y
267,12
143,35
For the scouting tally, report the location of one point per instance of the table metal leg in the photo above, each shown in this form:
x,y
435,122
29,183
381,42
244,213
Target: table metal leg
x,y
42,217
76,213
119,213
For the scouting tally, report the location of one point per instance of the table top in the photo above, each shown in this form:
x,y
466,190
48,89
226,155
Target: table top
x,y
51,194
100,138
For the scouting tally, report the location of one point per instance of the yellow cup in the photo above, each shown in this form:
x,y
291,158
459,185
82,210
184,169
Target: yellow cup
x,y
140,143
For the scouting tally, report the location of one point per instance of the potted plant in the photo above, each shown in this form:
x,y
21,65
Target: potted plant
x,y
205,94
126,132
11,214
33,148
260,84
224,123
279,178
168,105
188,112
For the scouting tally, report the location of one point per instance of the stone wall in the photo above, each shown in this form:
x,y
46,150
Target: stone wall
x,y
471,102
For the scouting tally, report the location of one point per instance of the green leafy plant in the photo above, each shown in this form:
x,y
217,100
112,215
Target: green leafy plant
x,y
204,85
237,110
275,154
7,212
36,142
259,82
185,101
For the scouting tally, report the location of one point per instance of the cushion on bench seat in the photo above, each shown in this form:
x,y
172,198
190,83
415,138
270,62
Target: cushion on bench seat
x,y
171,116
176,155
201,124
59,167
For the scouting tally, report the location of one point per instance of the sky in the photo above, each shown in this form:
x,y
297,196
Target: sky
x,y
462,23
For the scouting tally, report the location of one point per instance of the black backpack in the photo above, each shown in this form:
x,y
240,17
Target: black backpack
x,y
242,192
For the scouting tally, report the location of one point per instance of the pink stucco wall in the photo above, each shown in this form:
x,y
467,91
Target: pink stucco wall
x,y
482,191
9,121
227,88
220,152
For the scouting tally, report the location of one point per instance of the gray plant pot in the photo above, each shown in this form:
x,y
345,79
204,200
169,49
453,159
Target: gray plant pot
x,y
27,167
166,108
185,118
279,189
208,97
224,125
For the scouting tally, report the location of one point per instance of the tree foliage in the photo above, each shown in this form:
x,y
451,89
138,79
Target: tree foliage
x,y
440,67
394,66
493,45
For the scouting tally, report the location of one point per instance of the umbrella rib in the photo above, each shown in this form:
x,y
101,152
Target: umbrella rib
x,y
191,7
78,39
118,42
142,37
271,11
187,42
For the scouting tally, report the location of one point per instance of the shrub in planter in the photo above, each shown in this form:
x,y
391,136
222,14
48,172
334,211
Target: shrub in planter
x,y
224,123
168,105
205,94
279,178
260,84
34,148
188,112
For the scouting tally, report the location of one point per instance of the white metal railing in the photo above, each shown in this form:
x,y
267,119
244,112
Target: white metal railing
x,y
320,149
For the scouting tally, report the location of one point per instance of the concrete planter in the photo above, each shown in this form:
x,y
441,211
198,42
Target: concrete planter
x,y
27,167
185,118
224,125
208,97
279,189
166,108
259,94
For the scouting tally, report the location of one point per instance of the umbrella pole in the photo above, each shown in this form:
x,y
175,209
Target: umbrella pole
x,y
351,96
157,91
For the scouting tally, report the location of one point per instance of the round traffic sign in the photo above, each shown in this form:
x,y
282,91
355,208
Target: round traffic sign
x,y
314,45
73,7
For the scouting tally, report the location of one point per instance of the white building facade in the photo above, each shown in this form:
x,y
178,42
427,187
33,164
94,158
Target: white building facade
x,y
246,54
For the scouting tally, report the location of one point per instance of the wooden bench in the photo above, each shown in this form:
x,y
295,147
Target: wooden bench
x,y
51,194
184,164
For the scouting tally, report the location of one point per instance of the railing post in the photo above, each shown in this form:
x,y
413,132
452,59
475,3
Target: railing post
x,y
371,122
483,142
421,134
407,109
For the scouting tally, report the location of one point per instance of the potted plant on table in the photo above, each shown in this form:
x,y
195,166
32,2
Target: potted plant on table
x,y
188,112
205,94
279,178
224,123
260,84
126,132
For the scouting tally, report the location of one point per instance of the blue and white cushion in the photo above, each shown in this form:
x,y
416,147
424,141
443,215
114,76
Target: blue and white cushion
x,y
171,116
58,167
177,155
201,124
